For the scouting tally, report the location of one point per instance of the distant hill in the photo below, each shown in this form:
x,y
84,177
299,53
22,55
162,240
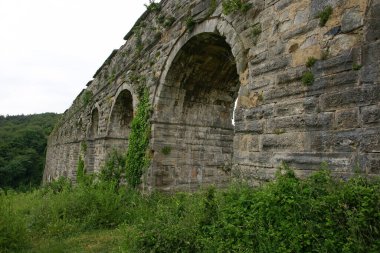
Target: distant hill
x,y
23,141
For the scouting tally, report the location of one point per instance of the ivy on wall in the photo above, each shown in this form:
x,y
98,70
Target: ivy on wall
x,y
137,159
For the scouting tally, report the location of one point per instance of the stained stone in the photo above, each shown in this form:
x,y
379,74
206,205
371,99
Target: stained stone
x,y
228,105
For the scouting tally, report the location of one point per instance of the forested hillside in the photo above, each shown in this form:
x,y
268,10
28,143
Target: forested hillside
x,y
22,148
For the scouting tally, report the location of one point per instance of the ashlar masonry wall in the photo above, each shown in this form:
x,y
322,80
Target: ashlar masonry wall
x,y
228,93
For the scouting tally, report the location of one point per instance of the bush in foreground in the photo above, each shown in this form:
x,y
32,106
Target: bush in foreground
x,y
319,214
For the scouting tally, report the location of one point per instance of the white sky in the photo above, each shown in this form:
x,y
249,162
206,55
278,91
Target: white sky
x,y
50,49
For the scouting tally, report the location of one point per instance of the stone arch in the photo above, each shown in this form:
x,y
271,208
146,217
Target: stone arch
x,y
194,106
93,129
92,141
120,118
121,113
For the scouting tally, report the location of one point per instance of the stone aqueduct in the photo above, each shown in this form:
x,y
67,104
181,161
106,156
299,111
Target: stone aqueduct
x,y
204,68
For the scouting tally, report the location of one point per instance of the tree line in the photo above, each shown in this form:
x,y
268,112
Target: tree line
x,y
23,140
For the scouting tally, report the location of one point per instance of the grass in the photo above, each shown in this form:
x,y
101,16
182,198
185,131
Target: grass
x,y
318,214
91,241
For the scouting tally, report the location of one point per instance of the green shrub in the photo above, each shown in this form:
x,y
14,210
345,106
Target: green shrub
x,y
166,150
190,23
13,232
84,207
168,22
308,78
256,31
356,66
325,15
138,159
153,6
80,170
310,62
166,224
113,168
232,6
86,97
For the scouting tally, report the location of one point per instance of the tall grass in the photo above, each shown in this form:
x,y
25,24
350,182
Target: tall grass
x,y
319,214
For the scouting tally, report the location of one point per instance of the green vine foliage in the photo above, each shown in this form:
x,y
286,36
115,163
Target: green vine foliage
x,y
137,156
80,170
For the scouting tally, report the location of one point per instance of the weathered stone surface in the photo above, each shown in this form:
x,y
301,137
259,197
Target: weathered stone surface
x,y
319,5
351,20
350,97
370,115
347,118
306,122
228,100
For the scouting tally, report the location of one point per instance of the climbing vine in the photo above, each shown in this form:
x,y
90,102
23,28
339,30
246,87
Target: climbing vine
x,y
80,170
137,156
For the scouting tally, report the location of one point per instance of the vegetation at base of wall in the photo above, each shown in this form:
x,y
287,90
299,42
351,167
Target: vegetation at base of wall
x,y
325,15
232,6
317,214
307,78
113,168
23,142
137,159
80,170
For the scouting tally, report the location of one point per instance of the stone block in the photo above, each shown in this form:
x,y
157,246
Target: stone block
x,y
254,127
370,73
334,82
351,20
334,141
373,30
333,65
346,118
370,140
342,43
351,97
370,115
309,122
319,5
312,161
291,142
269,66
282,4
370,163
262,112
300,30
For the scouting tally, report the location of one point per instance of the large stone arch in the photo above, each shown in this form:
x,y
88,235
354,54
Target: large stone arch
x,y
193,134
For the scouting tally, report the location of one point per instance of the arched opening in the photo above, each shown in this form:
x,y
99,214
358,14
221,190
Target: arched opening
x,y
195,110
121,116
91,142
93,131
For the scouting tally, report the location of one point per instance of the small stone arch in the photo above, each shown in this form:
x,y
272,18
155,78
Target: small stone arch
x,y
193,108
93,127
92,141
122,110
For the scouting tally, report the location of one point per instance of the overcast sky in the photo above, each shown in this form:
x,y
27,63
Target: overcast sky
x,y
50,49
